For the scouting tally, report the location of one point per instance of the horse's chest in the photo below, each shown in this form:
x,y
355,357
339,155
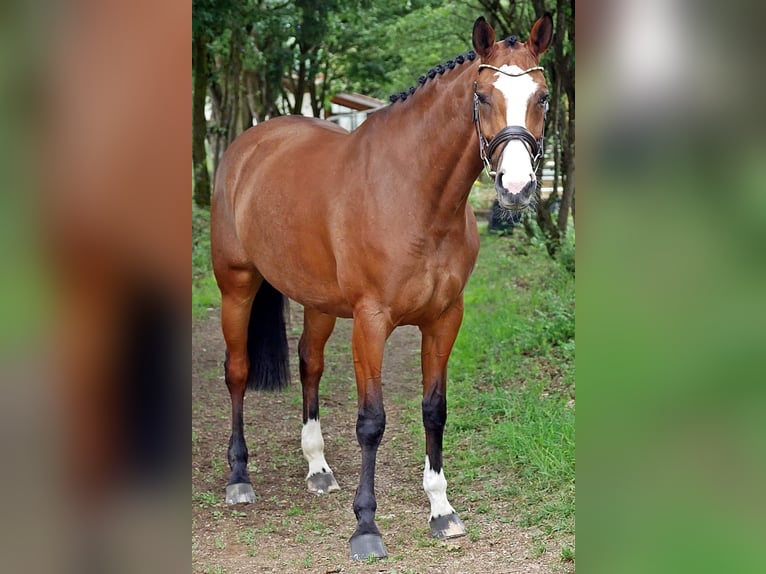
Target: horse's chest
x,y
433,288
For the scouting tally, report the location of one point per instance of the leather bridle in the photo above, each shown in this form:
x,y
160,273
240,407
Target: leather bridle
x,y
487,148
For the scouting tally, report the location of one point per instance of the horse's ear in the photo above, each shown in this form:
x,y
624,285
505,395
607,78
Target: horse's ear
x,y
541,35
483,37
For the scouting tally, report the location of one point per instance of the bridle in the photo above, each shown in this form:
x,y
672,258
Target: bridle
x,y
488,148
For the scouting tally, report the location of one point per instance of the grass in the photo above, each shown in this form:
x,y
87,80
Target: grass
x,y
246,536
482,195
205,292
510,433
205,499
511,391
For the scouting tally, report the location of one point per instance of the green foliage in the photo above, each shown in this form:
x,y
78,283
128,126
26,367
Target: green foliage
x,y
205,292
212,17
205,499
511,388
267,56
566,254
405,44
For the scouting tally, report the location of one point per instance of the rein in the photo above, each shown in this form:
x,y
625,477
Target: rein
x,y
488,148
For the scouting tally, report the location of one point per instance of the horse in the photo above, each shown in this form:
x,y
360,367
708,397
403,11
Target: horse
x,y
372,225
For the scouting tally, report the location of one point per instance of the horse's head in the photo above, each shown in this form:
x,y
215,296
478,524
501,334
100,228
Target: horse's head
x,y
510,101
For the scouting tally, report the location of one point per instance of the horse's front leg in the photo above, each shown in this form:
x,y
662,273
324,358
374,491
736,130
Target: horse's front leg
x,y
371,329
438,339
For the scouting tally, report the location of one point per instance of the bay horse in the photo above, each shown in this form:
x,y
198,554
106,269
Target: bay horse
x,y
374,224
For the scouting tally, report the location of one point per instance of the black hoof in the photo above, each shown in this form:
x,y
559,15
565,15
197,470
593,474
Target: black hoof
x,y
240,493
449,526
322,483
365,546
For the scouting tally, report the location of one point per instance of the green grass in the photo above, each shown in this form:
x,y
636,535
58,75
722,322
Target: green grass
x,y
510,432
510,429
482,195
205,292
205,499
567,554
246,536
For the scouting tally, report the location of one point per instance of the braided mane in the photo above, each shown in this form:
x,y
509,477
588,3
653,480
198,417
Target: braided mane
x,y
440,69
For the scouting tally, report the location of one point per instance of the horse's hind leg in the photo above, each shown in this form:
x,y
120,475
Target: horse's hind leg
x,y
238,289
317,328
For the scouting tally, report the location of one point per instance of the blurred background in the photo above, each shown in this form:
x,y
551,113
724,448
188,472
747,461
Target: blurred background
x,y
670,318
95,244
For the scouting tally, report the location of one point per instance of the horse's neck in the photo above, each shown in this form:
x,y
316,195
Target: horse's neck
x,y
433,132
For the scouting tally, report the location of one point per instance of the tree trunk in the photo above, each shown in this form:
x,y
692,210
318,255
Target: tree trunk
x,y
244,106
235,88
226,97
550,231
566,80
199,125
568,158
299,88
556,113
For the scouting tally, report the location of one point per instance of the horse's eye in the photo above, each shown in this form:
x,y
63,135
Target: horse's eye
x,y
482,98
544,99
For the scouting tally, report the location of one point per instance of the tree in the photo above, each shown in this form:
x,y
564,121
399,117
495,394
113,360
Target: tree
x,y
256,59
199,124
209,18
266,57
559,62
405,42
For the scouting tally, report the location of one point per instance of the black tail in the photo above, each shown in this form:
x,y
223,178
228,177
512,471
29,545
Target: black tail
x,y
267,341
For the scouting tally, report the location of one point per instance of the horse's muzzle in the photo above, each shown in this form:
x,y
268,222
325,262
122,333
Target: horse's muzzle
x,y
514,201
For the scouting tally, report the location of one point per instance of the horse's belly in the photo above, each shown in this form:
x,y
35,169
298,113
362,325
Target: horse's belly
x,y
324,296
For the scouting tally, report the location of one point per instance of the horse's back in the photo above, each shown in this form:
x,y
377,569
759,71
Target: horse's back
x,y
274,148
270,155
274,199
268,137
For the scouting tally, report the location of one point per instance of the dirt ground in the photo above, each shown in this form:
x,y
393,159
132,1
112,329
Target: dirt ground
x,y
290,530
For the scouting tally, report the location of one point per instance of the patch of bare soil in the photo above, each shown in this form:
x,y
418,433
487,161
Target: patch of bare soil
x,y
290,530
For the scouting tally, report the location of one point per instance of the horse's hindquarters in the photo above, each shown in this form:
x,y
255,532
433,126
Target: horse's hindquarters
x,y
279,187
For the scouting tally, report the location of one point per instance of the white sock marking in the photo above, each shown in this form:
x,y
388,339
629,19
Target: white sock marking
x,y
435,486
313,447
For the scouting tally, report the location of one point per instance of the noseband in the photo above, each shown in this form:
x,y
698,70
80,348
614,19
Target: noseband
x,y
487,149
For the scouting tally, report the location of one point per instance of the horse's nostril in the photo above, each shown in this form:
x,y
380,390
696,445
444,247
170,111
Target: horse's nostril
x,y
529,188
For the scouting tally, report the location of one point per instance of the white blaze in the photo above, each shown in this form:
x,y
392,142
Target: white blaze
x,y
313,447
515,162
435,486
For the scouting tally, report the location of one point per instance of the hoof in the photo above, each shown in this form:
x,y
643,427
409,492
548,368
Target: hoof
x,y
240,493
449,526
365,546
322,483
